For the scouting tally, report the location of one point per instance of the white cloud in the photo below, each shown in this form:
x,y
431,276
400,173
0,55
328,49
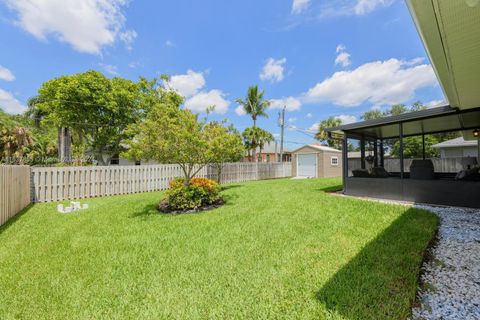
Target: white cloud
x,y
346,119
298,6
110,69
291,103
128,37
314,127
366,6
9,103
435,103
240,111
87,25
273,70
202,100
343,57
309,115
6,74
187,84
352,7
291,120
379,83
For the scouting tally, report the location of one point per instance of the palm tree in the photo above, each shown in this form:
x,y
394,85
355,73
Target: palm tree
x,y
14,143
254,104
249,140
322,135
254,138
263,137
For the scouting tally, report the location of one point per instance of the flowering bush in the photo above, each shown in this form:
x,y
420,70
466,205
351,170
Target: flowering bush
x,y
200,192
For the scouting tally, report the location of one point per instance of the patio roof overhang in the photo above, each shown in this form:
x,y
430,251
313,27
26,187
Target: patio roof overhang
x,y
434,120
450,31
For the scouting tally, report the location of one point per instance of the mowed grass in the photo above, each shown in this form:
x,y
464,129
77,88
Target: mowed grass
x,y
280,249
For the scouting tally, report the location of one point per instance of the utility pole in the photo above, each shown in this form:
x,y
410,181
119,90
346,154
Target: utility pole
x,y
281,122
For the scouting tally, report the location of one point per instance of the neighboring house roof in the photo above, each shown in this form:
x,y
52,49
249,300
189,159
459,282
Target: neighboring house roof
x,y
456,143
270,148
318,147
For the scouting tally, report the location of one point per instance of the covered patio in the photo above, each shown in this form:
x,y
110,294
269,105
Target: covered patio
x,y
419,180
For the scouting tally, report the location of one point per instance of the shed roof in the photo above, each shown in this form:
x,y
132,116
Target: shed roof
x,y
318,147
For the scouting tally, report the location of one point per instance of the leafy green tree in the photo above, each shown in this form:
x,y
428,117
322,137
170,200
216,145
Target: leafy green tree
x,y
254,104
253,138
96,109
322,135
169,134
225,144
396,110
372,114
412,147
418,106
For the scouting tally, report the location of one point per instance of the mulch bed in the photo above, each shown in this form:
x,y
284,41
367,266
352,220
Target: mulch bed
x,y
164,208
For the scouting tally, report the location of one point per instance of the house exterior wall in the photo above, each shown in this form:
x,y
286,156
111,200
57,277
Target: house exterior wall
x,y
329,170
324,167
270,157
458,152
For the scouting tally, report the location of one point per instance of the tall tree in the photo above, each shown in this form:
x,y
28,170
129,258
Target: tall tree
x,y
322,135
96,109
264,137
253,138
170,134
254,104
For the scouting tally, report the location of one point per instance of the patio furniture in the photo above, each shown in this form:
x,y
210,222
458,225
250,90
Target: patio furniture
x,y
422,170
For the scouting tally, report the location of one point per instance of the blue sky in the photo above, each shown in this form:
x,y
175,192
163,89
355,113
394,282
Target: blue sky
x,y
320,58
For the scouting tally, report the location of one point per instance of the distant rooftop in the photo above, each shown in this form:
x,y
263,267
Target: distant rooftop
x,y
455,143
270,148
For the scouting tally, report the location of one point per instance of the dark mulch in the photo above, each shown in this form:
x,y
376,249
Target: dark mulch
x,y
164,208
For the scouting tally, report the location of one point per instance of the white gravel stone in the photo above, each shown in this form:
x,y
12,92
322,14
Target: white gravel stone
x,y
450,286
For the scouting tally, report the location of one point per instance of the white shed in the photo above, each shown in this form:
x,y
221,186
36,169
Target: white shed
x,y
316,161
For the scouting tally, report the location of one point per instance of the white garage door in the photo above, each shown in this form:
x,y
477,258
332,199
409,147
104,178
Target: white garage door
x,y
307,165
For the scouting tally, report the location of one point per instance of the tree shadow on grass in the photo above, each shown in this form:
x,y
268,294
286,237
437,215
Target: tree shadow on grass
x,y
335,188
230,186
148,210
15,218
380,282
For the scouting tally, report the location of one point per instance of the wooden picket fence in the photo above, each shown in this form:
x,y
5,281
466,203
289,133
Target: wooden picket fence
x,y
441,165
68,183
14,190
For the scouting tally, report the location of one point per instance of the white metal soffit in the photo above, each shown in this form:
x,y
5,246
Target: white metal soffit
x,y
450,31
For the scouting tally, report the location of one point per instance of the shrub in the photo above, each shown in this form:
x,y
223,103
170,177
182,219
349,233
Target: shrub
x,y
199,193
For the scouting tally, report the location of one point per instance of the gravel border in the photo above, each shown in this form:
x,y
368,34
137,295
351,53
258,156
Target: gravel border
x,y
450,280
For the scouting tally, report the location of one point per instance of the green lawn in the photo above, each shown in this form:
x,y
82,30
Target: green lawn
x,y
280,249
